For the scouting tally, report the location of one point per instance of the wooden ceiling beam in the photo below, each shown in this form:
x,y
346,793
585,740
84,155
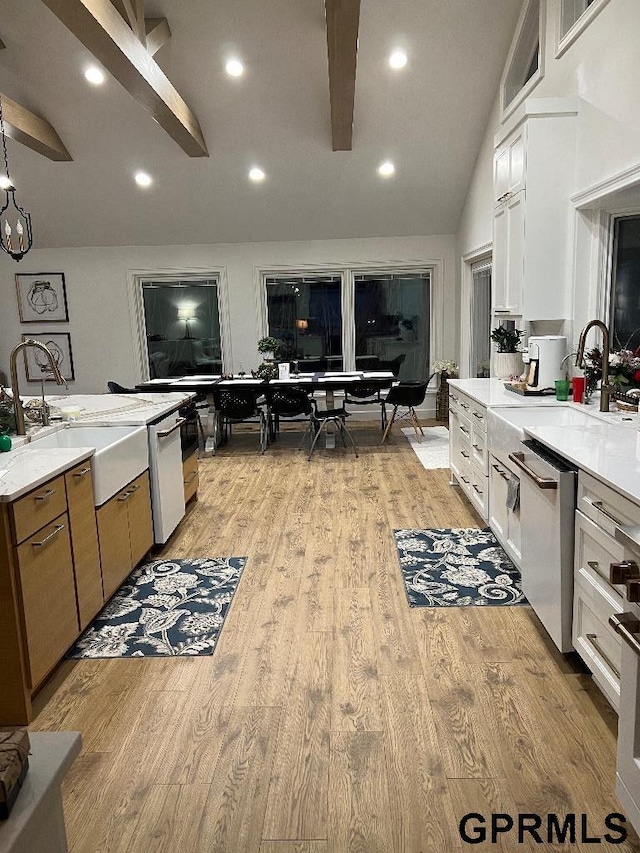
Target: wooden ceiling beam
x,y
343,19
132,12
102,30
158,33
31,130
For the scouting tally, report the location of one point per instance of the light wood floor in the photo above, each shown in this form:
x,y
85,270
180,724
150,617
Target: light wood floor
x,y
331,717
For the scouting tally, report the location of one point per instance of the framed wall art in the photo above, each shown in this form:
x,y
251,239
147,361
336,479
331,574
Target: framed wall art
x,y
36,363
42,297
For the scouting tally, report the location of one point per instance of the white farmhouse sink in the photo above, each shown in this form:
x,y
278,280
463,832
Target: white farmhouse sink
x,y
121,454
505,427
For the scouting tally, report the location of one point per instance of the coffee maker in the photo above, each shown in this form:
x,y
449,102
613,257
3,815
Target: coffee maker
x,y
542,358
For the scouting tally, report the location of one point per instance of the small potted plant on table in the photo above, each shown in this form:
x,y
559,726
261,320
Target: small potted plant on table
x,y
269,348
507,359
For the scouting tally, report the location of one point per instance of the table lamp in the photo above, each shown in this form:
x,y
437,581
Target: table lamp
x,y
186,313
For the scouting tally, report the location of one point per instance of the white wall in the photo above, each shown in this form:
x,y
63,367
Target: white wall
x,y
99,313
602,68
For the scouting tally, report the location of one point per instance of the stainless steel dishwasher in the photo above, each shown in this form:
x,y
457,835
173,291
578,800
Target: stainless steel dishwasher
x,y
547,509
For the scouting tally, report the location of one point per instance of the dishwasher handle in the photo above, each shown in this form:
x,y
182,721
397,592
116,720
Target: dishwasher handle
x,y
541,482
165,432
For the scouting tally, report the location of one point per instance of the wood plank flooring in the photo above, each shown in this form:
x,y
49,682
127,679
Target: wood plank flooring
x,y
332,718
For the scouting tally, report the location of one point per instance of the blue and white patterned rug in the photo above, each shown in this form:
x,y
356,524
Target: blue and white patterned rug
x,y
164,608
454,567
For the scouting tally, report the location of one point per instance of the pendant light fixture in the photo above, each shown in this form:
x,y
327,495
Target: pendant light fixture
x,y
15,223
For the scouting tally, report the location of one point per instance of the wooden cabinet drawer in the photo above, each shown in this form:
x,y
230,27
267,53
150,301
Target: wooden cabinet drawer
x,y
596,643
113,536
140,519
84,542
595,549
39,507
48,597
604,506
190,476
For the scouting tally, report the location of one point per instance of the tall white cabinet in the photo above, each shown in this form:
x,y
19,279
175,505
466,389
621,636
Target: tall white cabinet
x,y
533,180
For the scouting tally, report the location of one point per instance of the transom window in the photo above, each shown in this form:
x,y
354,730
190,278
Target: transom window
x,y
571,11
525,60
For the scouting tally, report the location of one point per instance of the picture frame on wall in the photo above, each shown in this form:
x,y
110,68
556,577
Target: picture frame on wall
x,y
36,364
42,297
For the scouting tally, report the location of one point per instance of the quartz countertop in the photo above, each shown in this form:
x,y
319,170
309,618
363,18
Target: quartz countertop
x,y
121,409
492,393
28,467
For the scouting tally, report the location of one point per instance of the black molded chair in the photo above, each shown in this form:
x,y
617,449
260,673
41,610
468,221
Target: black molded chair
x,y
290,403
116,388
408,395
361,394
235,405
321,417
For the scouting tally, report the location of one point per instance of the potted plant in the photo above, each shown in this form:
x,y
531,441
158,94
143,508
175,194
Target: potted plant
x,y
269,347
507,359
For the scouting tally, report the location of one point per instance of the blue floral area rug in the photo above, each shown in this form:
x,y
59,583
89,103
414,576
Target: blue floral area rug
x,y
164,608
456,567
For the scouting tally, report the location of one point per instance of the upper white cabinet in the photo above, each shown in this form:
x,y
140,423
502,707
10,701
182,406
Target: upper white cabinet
x,y
533,180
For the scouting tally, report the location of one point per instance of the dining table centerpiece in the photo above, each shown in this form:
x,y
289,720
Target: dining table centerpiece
x,y
269,347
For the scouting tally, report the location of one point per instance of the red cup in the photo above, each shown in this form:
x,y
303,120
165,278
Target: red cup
x,y
577,383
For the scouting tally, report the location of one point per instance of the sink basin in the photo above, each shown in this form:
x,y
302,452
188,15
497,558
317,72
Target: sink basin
x,y
121,454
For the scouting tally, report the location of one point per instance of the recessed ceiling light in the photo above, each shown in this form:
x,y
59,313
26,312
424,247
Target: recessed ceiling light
x,y
234,68
398,59
256,174
142,179
94,75
386,169
5,183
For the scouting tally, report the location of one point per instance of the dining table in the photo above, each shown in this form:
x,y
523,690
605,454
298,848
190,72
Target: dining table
x,y
327,381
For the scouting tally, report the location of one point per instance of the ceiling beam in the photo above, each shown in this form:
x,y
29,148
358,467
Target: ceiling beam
x,y
31,130
158,33
133,14
103,31
343,17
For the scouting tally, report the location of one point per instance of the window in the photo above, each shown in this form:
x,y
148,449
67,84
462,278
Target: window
x,y
480,319
182,327
575,16
305,314
524,64
353,320
571,11
625,291
392,323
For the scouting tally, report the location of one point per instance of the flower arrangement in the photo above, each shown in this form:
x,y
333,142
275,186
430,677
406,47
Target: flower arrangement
x,y
624,369
448,367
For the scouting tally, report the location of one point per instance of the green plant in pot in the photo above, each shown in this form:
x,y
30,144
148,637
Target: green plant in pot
x,y
507,360
270,348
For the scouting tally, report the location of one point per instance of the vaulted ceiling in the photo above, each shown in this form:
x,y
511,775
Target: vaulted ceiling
x,y
429,118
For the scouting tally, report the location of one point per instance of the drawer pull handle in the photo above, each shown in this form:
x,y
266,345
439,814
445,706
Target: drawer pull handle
x,y
628,626
125,496
46,539
191,478
134,488
541,482
45,495
600,507
465,480
479,417
594,564
82,472
464,405
478,490
500,471
593,639
455,399
165,432
465,431
464,453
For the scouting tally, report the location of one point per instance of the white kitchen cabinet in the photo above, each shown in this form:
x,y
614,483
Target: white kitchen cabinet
x,y
504,522
533,179
468,456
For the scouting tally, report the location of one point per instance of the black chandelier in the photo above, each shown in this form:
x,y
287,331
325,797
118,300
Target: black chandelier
x,y
15,223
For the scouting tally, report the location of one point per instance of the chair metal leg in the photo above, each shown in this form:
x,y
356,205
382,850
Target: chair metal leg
x,y
264,432
315,439
344,430
389,424
383,415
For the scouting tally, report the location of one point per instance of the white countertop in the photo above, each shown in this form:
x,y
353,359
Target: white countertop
x,y
26,468
607,450
492,393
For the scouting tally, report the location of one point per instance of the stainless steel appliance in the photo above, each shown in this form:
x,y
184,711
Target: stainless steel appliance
x,y
543,362
547,509
165,463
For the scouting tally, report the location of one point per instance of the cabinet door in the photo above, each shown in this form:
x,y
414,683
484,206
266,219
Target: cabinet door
x,y
498,520
48,597
190,476
140,520
500,175
84,542
514,271
499,268
113,537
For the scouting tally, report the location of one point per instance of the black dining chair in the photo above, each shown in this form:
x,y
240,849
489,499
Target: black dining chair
x,y
234,406
407,395
320,418
292,404
361,394
116,388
